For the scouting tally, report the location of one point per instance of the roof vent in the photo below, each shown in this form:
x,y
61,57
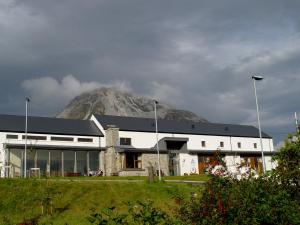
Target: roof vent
x,y
227,128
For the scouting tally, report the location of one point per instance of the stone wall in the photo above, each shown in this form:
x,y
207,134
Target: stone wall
x,y
110,155
112,162
151,160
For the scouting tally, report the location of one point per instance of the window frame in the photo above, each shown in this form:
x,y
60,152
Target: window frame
x,y
12,136
221,144
125,141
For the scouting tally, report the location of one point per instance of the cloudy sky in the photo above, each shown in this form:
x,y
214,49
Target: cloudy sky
x,y
197,55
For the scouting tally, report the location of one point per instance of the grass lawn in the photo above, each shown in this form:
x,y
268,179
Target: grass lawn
x,y
71,201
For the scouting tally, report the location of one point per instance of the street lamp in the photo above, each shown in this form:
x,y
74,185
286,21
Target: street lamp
x,y
27,100
258,78
157,148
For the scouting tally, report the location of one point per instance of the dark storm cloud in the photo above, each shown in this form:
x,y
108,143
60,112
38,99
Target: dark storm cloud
x,y
198,55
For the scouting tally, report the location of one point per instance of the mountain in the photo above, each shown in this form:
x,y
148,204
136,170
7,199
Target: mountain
x,y
110,101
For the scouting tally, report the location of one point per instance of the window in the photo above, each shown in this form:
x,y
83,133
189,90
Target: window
x,y
221,144
62,139
125,141
30,137
133,160
11,136
85,139
239,144
203,143
255,145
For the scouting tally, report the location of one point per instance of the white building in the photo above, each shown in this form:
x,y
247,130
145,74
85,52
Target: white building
x,y
124,146
57,147
185,147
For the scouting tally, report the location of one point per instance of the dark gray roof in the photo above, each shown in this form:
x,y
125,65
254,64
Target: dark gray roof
x,y
47,125
172,126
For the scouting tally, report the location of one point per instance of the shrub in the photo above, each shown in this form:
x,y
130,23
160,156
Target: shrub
x,y
248,201
288,169
138,213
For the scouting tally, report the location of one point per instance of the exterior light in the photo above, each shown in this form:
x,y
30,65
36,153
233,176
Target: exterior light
x,y
258,78
157,148
27,100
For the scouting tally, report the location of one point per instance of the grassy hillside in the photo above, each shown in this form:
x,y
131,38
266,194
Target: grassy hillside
x,y
71,201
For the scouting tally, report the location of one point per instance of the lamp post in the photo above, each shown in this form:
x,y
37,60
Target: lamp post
x,y
258,78
27,100
296,121
157,148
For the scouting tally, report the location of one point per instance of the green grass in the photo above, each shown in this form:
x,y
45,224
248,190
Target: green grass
x,y
201,177
22,199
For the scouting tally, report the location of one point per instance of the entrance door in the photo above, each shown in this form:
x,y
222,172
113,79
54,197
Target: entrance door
x,y
173,164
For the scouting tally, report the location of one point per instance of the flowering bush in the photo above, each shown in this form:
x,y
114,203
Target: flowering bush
x,y
247,201
217,167
243,197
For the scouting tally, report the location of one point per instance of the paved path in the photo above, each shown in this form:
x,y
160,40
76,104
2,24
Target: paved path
x,y
90,180
186,182
127,181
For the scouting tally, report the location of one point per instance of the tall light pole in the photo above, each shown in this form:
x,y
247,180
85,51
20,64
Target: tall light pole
x,y
258,78
157,148
296,121
27,100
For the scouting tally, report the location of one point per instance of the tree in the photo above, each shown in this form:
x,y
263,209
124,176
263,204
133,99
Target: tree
x,y
288,160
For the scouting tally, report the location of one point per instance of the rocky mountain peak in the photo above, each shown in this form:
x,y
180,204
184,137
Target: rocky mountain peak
x,y
110,101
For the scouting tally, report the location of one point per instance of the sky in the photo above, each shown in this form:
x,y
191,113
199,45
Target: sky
x,y
196,55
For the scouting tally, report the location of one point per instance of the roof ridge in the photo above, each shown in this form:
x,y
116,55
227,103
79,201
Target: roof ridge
x,y
43,117
176,121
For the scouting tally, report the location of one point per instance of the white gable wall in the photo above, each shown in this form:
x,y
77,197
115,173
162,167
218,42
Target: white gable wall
x,y
102,139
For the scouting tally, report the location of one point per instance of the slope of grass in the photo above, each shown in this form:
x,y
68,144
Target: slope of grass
x,y
71,202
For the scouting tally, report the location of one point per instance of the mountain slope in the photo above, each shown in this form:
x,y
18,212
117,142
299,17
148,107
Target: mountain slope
x,y
109,101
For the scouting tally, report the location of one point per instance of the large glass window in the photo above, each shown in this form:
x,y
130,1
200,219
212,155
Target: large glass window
x,y
32,157
133,160
69,161
55,162
94,160
16,161
82,162
43,160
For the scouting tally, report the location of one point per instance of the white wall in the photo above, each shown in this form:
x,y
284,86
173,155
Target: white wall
x,y
188,164
2,157
48,140
148,140
102,139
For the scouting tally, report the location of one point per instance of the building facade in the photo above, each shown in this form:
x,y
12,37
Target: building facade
x,y
55,147
185,147
124,146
